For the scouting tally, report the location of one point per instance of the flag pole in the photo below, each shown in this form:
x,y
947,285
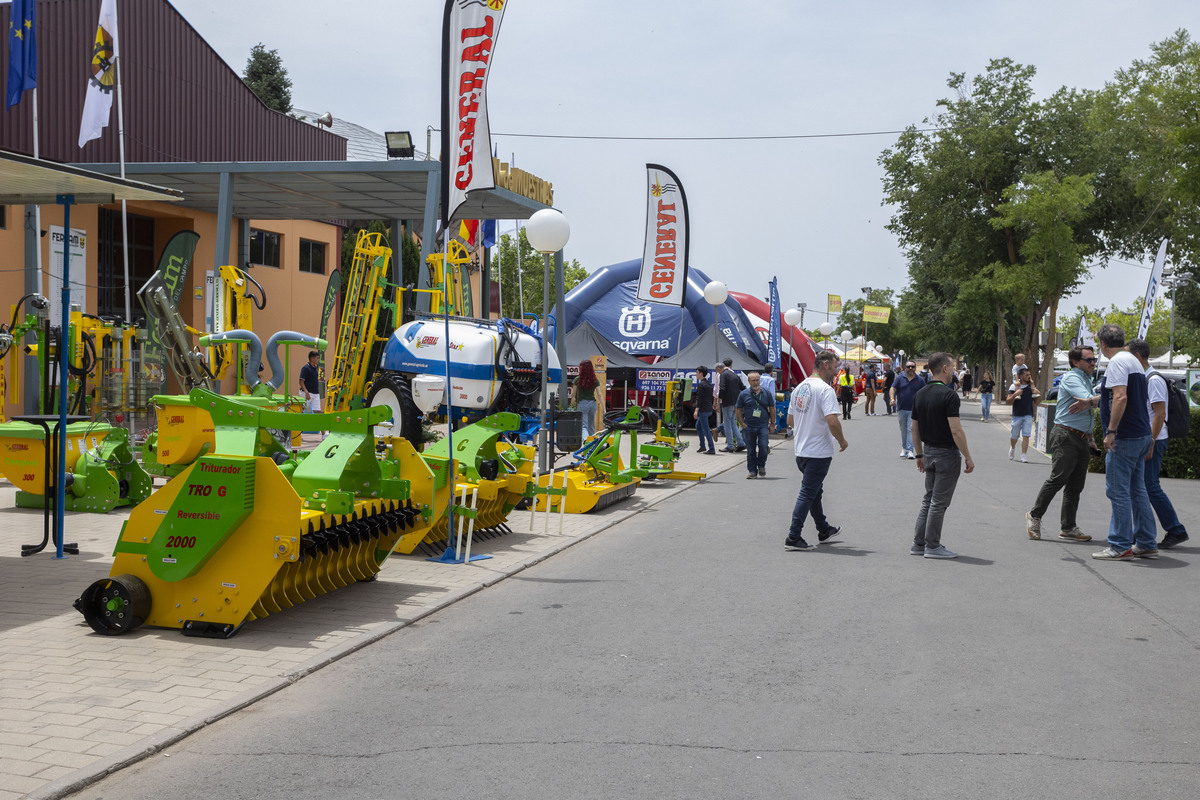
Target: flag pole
x,y
121,152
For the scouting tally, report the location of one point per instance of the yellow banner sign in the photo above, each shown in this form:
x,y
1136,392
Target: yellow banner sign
x,y
876,313
834,303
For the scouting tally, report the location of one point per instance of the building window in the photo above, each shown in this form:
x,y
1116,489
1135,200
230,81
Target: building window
x,y
312,257
265,248
3,217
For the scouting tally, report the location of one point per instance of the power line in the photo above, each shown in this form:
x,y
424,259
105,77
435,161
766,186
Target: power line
x,y
778,137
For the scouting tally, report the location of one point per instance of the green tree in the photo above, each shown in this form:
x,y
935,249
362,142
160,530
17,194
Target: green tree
x,y
268,78
851,318
522,288
1148,115
984,203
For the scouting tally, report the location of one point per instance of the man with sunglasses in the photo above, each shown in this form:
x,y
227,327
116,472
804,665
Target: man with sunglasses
x,y
903,391
1068,444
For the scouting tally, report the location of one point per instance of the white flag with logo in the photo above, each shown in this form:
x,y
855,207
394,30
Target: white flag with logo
x,y
97,103
469,32
1152,290
665,254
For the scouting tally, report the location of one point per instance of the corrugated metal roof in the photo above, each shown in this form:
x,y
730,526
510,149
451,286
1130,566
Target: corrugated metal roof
x,y
362,144
182,102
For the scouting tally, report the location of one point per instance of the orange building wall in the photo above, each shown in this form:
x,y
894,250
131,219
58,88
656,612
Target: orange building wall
x,y
294,298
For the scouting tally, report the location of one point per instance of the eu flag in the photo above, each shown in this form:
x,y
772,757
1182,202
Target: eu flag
x,y
22,49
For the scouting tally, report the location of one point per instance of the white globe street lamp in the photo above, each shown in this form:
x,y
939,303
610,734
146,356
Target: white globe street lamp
x,y
826,328
715,294
792,317
548,232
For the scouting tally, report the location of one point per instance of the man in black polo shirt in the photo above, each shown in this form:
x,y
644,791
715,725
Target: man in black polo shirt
x,y
942,446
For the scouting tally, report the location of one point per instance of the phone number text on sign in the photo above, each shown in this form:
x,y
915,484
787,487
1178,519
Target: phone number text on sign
x,y
653,380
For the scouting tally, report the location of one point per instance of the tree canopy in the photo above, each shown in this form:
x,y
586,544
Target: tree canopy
x,y
521,289
268,78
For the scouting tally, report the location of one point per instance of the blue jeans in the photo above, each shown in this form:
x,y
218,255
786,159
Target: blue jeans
x,y
1158,498
942,468
906,429
986,401
1132,519
758,447
588,409
704,429
808,503
733,436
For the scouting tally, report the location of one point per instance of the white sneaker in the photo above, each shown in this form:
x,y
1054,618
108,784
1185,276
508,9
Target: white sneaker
x,y
904,454
1024,460
1011,452
911,455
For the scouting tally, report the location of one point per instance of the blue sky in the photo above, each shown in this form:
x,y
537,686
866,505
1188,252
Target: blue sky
x,y
807,210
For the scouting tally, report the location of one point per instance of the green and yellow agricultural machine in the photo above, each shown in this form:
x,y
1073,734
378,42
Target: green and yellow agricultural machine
x,y
239,534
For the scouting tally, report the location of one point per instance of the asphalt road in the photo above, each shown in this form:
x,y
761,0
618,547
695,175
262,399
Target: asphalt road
x,y
685,654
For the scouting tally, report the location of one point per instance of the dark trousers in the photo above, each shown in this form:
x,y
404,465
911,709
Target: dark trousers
x,y
847,401
1068,472
808,503
758,447
942,468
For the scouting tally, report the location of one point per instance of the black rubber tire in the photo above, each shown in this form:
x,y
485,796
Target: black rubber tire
x,y
115,605
393,389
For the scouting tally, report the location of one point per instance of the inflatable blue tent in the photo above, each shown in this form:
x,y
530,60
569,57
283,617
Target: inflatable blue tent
x,y
607,300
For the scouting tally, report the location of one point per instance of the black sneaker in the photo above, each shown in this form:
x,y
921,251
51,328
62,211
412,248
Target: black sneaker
x,y
796,544
828,533
740,448
1172,539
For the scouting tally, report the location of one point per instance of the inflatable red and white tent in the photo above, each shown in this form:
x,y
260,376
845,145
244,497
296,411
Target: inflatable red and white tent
x,y
797,363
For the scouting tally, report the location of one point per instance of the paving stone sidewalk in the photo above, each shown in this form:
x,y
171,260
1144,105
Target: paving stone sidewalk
x,y
76,705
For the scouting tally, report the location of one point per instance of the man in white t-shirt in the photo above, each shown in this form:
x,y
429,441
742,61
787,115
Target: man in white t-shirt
x,y
1156,388
813,417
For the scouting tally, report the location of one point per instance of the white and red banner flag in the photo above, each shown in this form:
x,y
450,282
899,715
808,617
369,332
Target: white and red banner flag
x,y
469,32
665,255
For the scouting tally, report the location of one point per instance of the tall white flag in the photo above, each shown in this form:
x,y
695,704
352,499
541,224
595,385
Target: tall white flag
x,y
1152,290
665,253
97,105
470,29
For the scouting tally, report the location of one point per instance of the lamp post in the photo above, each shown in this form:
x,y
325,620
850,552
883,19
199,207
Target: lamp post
x,y
826,328
715,294
866,290
1175,279
793,317
548,232
801,306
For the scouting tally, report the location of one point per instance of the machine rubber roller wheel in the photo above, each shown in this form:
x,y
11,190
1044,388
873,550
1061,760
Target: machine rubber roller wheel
x,y
115,605
395,392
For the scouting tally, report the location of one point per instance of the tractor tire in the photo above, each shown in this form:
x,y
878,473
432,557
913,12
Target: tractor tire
x,y
394,391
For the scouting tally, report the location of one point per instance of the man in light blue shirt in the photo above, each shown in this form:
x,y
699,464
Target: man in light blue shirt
x,y
1068,446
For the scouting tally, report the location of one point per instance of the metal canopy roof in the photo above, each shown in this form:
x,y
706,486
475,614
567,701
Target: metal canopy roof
x,y
322,190
32,181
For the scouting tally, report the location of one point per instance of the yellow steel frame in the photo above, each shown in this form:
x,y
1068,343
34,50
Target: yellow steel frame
x,y
357,336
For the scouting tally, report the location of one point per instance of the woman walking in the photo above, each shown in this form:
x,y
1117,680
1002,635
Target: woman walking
x,y
584,396
986,387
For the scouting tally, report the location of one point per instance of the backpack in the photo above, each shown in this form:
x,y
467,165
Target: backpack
x,y
1179,416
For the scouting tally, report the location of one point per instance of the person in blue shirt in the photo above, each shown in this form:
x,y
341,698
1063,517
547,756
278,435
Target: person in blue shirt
x,y
903,391
756,417
1123,413
1069,451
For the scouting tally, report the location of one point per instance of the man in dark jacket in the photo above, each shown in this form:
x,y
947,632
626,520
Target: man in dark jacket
x,y
889,377
702,399
729,386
